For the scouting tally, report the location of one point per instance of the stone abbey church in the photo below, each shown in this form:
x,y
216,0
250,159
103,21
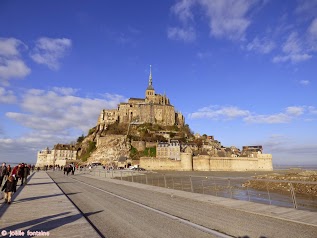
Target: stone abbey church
x,y
154,108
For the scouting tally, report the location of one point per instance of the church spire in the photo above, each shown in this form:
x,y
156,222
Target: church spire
x,y
150,87
150,77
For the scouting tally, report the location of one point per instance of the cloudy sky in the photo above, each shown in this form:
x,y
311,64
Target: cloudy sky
x,y
244,71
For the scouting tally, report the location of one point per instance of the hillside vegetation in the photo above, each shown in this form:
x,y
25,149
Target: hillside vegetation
x,y
146,132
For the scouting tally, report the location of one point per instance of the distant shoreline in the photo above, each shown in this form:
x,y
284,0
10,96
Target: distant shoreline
x,y
287,167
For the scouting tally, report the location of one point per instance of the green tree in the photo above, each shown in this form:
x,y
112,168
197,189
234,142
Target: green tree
x,y
80,138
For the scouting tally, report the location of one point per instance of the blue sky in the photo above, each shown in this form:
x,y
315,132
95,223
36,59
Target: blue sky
x,y
243,71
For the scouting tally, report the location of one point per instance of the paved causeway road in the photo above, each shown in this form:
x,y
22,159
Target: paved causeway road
x,y
117,209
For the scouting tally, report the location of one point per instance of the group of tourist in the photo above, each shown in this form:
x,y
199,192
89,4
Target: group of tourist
x,y
10,177
69,168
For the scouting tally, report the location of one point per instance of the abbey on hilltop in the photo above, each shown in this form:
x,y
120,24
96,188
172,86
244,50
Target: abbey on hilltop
x,y
130,135
154,108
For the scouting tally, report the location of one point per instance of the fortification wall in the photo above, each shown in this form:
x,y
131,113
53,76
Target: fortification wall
x,y
201,163
159,164
220,164
186,162
265,162
207,163
241,163
244,164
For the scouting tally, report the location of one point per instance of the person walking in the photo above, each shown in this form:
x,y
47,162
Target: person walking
x,y
15,174
21,173
73,168
69,169
8,188
9,170
3,172
27,169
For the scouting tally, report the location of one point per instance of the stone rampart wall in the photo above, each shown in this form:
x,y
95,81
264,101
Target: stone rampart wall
x,y
160,164
206,163
265,164
201,163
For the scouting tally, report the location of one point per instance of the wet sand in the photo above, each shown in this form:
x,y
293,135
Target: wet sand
x,y
225,174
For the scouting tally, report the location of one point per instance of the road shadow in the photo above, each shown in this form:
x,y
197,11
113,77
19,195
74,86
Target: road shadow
x,y
46,224
36,198
87,214
69,194
32,184
63,182
4,206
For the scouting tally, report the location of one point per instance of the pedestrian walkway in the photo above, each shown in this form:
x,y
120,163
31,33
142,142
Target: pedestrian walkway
x,y
40,208
283,213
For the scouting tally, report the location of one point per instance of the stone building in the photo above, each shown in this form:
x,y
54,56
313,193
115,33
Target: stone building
x,y
251,151
154,108
124,162
59,155
170,150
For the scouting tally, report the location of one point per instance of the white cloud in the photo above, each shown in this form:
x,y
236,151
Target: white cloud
x,y
286,150
7,96
185,34
295,111
50,117
231,112
300,47
11,64
227,18
9,47
268,119
304,82
24,148
284,117
12,68
312,30
312,35
306,8
215,112
65,91
295,58
183,10
57,111
293,44
263,46
294,50
312,110
49,51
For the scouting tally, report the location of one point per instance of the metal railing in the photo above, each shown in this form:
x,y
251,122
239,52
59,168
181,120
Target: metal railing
x,y
274,192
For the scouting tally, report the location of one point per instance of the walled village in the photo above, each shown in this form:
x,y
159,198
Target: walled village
x,y
150,133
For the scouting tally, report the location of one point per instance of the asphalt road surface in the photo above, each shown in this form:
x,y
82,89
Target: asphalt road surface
x,y
123,211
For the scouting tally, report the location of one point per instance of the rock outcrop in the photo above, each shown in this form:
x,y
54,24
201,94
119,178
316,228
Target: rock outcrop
x,y
109,148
